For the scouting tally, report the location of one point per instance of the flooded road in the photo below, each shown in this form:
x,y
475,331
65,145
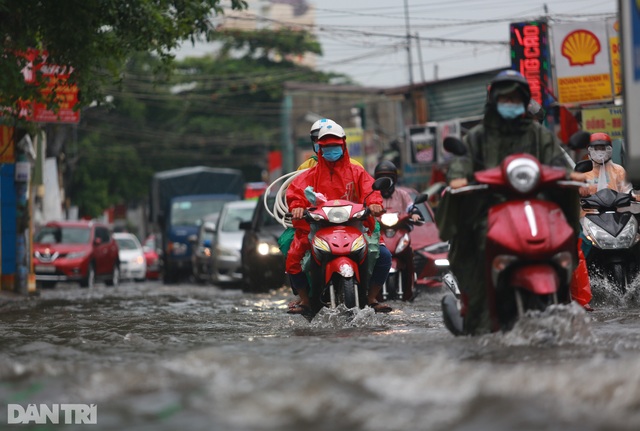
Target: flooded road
x,y
189,357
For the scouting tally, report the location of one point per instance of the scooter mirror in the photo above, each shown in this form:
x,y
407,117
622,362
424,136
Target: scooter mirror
x,y
454,146
382,183
584,166
579,140
423,197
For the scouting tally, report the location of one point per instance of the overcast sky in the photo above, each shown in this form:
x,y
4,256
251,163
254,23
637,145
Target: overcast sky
x,y
364,38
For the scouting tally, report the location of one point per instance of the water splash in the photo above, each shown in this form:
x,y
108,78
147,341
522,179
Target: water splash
x,y
557,325
606,293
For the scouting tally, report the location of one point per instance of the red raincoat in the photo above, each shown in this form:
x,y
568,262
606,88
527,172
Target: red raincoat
x,y
335,180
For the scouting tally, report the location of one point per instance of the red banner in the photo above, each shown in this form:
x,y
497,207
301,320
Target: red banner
x,y
66,96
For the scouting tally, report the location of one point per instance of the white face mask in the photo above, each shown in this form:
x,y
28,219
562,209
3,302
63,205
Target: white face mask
x,y
601,156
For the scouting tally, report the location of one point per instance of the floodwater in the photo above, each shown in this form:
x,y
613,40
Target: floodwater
x,y
189,357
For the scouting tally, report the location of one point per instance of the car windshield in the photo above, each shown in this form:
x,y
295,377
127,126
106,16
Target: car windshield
x,y
190,213
233,217
126,244
63,235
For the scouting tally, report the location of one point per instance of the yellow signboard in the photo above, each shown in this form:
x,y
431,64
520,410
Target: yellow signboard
x,y
583,69
607,120
613,28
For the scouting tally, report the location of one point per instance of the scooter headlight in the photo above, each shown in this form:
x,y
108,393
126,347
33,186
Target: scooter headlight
x,y
389,219
338,214
523,175
604,240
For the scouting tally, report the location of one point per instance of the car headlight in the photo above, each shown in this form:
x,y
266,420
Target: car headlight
x,y
389,219
77,254
265,249
523,175
604,240
338,214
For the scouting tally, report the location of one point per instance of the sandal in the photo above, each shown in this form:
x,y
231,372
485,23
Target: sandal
x,y
380,308
300,309
294,303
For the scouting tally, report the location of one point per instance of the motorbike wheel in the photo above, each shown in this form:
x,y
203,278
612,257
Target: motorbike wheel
x,y
453,321
619,277
346,288
392,283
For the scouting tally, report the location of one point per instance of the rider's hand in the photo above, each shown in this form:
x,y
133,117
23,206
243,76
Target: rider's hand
x,y
415,217
376,209
297,213
578,176
458,182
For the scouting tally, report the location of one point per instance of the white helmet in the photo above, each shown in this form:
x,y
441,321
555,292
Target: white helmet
x,y
315,128
334,129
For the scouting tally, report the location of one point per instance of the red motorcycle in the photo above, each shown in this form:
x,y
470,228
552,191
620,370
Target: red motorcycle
x,y
530,247
396,229
340,250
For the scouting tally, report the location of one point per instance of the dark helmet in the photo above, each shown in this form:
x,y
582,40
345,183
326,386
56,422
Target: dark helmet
x,y
386,168
508,81
599,139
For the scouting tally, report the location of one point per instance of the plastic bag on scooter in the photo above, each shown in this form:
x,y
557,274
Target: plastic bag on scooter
x,y
285,240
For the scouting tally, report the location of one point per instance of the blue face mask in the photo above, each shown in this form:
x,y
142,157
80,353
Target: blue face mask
x,y
331,154
316,147
509,111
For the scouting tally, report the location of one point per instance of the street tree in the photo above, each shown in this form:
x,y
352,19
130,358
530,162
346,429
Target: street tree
x,y
95,38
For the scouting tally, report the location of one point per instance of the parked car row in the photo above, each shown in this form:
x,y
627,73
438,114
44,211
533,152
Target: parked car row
x,y
88,252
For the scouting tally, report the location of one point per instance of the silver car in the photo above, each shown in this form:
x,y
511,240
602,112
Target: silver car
x,y
227,242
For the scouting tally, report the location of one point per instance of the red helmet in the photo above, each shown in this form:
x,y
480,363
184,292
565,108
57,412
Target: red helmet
x,y
599,139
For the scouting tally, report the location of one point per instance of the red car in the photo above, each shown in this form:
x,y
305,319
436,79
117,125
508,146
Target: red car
x,y
429,251
75,251
151,247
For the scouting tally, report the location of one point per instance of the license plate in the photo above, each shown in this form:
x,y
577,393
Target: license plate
x,y
45,268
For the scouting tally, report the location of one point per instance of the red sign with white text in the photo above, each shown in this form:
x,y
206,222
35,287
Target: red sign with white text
x,y
66,96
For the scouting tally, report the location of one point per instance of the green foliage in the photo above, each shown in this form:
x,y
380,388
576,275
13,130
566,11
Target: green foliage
x,y
95,38
217,111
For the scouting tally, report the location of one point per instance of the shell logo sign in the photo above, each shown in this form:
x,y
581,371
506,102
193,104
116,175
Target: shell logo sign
x,y
580,47
582,62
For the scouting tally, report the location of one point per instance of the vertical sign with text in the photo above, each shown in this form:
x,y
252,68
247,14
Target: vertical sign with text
x,y
531,57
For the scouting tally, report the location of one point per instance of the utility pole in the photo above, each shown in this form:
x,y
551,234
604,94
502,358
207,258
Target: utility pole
x,y
406,21
419,47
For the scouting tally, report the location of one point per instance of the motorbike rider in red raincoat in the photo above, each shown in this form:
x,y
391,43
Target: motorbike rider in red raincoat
x,y
336,178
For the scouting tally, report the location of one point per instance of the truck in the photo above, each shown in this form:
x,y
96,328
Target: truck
x,y
178,201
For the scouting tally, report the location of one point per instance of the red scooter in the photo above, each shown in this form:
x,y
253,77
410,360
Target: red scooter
x,y
339,250
530,248
395,228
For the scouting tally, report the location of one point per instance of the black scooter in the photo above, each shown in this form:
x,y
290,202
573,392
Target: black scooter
x,y
613,231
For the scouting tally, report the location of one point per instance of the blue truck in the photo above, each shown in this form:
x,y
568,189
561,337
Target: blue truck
x,y
178,200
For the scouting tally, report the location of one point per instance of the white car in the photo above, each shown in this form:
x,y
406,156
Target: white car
x,y
133,264
226,261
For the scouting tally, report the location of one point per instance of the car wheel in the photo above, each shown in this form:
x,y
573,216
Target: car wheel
x,y
90,280
115,276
